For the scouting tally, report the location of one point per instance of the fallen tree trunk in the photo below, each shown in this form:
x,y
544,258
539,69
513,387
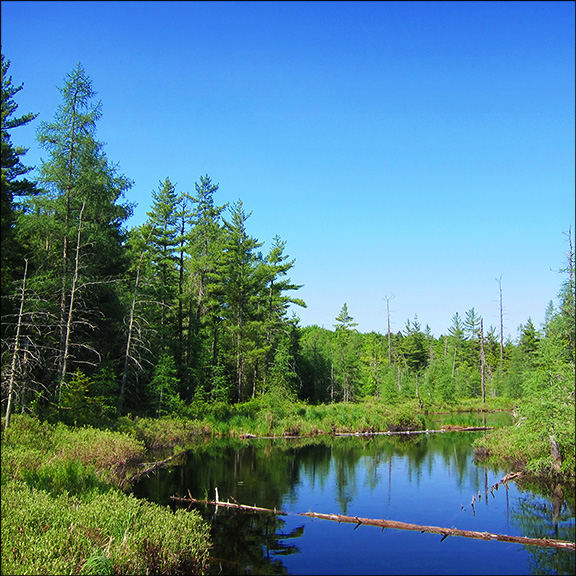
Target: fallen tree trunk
x,y
372,433
543,542
230,505
407,432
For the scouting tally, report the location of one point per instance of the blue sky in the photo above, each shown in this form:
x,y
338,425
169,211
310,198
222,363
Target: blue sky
x,y
410,150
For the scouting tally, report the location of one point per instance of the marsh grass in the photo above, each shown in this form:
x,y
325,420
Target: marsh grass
x,y
97,533
40,449
63,513
280,416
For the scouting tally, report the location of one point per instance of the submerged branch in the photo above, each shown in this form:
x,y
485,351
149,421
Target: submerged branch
x,y
230,505
153,467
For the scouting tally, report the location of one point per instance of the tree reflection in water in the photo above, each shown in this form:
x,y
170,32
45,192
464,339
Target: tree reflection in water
x,y
547,511
421,479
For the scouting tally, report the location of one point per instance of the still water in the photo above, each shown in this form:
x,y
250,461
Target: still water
x,y
422,479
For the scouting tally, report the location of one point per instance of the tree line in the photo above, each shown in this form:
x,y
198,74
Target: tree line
x,y
100,320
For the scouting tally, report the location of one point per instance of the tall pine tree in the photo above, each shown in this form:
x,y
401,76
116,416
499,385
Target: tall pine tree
x,y
74,233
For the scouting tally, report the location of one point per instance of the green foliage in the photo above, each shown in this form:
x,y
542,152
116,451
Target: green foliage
x,y
164,386
183,315
61,513
104,454
13,185
167,431
78,404
98,533
70,476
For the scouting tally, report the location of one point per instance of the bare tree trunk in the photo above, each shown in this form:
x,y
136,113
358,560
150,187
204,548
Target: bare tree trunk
x,y
180,351
68,327
501,325
569,307
555,453
63,333
239,365
393,524
332,378
389,334
16,350
128,353
482,360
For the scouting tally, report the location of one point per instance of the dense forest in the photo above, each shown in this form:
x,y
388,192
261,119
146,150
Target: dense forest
x,y
101,320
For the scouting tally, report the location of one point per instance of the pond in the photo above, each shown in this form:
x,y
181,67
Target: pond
x,y
426,479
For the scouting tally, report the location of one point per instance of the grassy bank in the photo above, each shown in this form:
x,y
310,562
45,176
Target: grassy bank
x,y
272,415
63,513
525,448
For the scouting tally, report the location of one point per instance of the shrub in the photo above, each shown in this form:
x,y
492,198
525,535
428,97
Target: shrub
x,y
109,533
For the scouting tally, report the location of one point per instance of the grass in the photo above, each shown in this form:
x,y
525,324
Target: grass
x,y
522,447
97,533
63,511
278,416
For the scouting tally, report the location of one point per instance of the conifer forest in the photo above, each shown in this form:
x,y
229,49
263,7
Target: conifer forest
x,y
101,320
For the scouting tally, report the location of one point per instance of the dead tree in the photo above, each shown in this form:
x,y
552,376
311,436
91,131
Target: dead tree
x,y
16,350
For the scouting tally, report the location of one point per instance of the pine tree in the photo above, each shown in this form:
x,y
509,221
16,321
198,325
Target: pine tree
x,y
240,279
204,244
13,186
276,267
73,232
163,256
346,354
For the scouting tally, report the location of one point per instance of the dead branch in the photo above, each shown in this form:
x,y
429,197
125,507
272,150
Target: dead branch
x,y
544,542
153,467
230,505
445,532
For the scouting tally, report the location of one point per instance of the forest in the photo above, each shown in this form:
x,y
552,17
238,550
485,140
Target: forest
x,y
101,320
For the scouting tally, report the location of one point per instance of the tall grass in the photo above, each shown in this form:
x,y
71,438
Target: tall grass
x,y
62,511
97,533
276,415
31,445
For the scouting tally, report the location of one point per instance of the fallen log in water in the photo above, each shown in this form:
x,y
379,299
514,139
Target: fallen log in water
x,y
545,542
230,505
407,432
372,433
445,532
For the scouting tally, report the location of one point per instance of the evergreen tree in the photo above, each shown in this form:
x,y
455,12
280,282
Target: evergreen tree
x,y
74,233
240,278
314,363
163,256
276,267
164,386
414,347
203,248
346,358
374,363
14,186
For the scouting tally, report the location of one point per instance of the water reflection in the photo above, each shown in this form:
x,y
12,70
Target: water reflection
x,y
424,479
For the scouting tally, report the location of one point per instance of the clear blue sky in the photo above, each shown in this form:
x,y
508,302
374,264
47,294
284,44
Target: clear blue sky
x,y
418,150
